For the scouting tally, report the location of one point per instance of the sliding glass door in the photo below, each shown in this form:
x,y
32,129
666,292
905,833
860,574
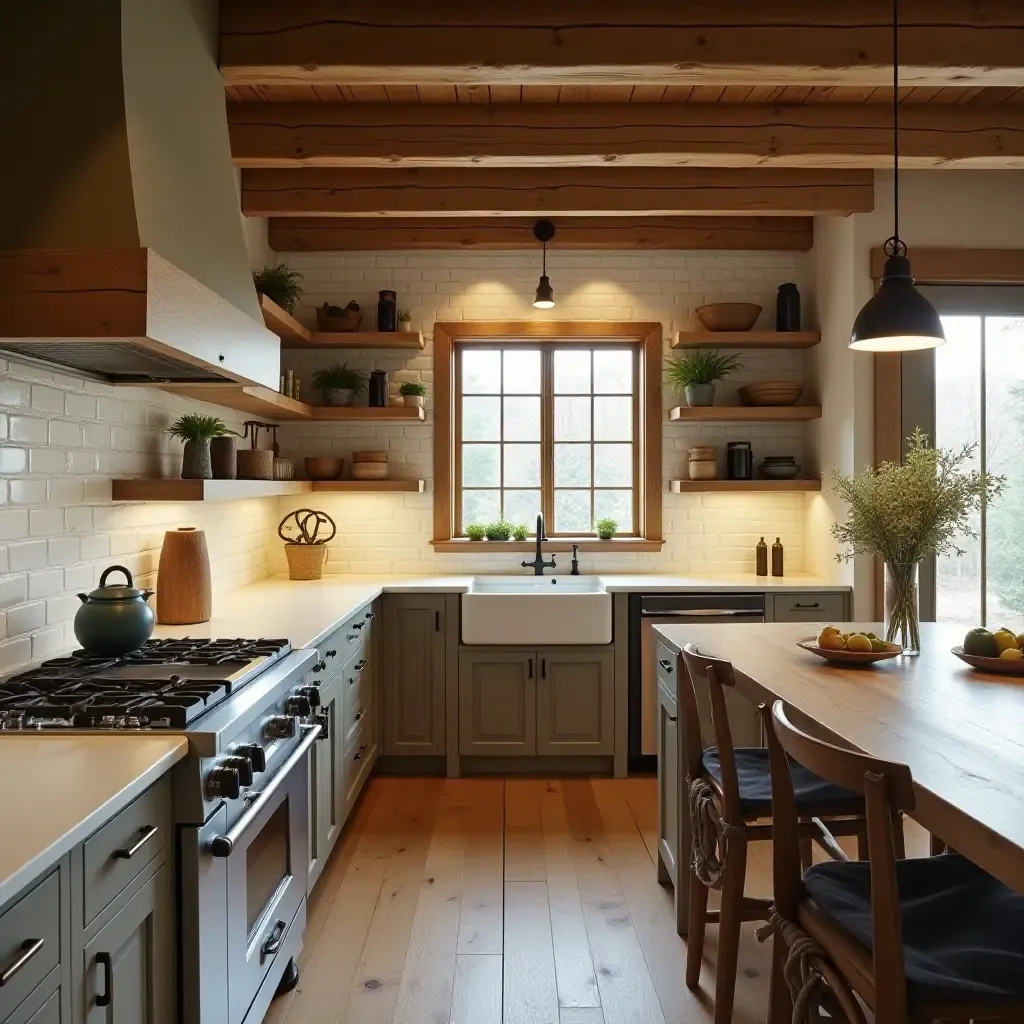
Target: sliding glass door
x,y
971,391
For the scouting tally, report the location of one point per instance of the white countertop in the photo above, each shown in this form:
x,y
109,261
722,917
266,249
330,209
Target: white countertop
x,y
55,791
307,611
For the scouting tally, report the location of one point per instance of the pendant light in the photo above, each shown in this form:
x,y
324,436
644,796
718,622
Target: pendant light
x,y
897,318
544,231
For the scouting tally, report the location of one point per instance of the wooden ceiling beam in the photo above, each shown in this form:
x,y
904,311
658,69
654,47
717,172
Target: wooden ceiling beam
x,y
339,234
626,134
741,42
555,191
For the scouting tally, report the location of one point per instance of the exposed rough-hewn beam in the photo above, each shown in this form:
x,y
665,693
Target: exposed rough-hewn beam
x,y
629,134
738,42
555,191
320,234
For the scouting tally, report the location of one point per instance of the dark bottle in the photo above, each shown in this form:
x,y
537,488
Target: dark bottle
x,y
762,557
378,389
787,308
387,310
777,557
739,460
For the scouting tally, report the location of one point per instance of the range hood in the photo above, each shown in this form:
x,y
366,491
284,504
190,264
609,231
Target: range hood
x,y
123,252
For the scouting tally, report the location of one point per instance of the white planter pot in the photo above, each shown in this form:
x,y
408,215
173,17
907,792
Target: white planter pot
x,y
416,400
405,325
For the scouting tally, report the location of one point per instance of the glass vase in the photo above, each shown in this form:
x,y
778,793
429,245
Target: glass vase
x,y
902,612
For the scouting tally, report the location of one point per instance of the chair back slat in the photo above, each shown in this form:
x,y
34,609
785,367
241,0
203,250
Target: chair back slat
x,y
786,864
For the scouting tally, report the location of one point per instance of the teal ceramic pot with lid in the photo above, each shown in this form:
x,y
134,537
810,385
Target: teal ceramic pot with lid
x,y
115,618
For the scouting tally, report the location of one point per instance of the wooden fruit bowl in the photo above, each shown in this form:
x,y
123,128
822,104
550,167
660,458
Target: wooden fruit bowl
x,y
728,316
1000,666
810,643
771,392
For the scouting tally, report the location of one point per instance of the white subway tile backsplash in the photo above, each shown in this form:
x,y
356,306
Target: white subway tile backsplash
x,y
24,618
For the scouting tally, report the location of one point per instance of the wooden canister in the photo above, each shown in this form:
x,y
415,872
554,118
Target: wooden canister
x,y
255,464
184,590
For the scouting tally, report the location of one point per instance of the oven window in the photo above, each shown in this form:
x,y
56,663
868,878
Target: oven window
x,y
266,864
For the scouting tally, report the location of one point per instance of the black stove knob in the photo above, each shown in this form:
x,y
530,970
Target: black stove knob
x,y
312,694
223,781
281,727
255,755
243,766
298,705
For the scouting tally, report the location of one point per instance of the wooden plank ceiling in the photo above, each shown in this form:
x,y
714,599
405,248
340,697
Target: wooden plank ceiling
x,y
639,125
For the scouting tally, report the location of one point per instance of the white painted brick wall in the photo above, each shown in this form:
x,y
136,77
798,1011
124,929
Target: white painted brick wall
x,y
62,439
391,533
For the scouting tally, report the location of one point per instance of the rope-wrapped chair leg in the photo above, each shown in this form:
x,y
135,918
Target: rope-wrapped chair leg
x,y
810,976
711,835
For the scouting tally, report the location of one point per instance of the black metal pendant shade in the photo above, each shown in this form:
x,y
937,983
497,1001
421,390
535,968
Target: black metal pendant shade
x,y
545,294
898,318
544,231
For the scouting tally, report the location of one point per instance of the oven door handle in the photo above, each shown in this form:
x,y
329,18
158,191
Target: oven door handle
x,y
704,613
221,846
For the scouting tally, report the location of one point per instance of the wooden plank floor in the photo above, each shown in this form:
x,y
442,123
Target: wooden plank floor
x,y
518,901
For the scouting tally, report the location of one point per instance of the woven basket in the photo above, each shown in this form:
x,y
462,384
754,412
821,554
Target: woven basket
x,y
348,321
305,561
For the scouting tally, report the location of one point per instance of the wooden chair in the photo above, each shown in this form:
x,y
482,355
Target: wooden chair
x,y
729,790
934,938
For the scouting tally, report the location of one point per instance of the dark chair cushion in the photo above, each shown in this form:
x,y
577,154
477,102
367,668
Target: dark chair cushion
x,y
963,931
755,781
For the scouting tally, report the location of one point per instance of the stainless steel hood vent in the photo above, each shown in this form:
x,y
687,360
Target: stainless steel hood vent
x,y
115,362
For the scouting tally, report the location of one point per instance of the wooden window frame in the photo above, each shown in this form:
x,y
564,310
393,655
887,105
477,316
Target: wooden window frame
x,y
646,336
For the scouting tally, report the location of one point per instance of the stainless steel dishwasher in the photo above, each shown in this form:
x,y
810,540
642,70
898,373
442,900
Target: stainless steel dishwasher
x,y
649,610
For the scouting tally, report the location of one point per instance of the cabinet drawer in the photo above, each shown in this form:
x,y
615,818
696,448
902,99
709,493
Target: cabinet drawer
x,y
808,607
357,703
44,1006
668,669
358,761
29,942
112,857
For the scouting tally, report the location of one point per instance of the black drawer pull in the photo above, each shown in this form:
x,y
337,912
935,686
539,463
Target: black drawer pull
x,y
104,999
359,665
145,836
332,654
665,664
369,615
29,948
272,943
358,625
359,714
358,756
799,605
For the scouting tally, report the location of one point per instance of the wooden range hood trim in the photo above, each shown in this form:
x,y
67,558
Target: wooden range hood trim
x,y
131,296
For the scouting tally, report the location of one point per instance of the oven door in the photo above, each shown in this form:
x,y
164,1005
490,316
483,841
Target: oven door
x,y
265,855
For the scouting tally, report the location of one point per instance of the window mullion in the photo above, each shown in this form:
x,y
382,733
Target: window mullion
x,y
547,433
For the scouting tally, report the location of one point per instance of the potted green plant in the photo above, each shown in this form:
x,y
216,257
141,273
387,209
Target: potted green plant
x,y
339,383
280,284
520,532
404,320
499,530
904,511
606,528
695,375
476,531
413,392
197,431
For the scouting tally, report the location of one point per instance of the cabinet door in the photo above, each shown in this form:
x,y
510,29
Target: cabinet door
x,y
129,964
575,701
497,702
669,772
414,670
326,788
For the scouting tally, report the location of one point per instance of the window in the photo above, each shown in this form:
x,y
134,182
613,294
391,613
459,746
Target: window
x,y
554,425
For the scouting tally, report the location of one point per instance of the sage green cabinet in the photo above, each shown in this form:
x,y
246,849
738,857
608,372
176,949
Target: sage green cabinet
x,y
551,701
326,789
669,781
497,702
811,607
414,674
575,701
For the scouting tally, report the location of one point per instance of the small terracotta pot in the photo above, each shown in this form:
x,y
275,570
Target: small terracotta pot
x,y
222,458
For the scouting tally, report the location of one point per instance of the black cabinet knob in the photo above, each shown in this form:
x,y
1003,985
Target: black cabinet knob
x,y
297,705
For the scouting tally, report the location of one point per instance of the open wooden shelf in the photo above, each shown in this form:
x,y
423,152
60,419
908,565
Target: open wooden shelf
x,y
258,402
746,339
142,489
361,339
283,324
745,413
364,414
686,486
415,486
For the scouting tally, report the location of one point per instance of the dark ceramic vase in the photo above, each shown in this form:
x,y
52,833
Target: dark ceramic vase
x,y
195,465
223,459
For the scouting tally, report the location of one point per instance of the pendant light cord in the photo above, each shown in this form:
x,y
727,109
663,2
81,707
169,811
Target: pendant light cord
x,y
894,246
544,259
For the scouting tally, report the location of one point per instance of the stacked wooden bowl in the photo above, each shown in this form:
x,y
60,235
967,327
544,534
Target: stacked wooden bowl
x,y
771,392
372,465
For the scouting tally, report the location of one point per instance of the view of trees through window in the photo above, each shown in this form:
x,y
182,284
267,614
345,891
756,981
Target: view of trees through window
x,y
979,398
547,428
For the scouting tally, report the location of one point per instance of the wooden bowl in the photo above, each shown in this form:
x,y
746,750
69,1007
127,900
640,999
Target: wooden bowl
x,y
1001,666
810,643
371,456
324,468
771,392
369,471
728,316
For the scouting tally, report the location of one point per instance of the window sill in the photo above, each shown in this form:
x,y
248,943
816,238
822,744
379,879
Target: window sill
x,y
463,545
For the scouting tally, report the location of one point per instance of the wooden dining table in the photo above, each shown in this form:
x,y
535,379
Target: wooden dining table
x,y
961,731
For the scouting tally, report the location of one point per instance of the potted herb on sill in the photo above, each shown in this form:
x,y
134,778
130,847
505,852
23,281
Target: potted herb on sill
x,y
520,532
499,530
476,531
197,432
404,320
606,528
280,284
339,383
413,393
695,375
